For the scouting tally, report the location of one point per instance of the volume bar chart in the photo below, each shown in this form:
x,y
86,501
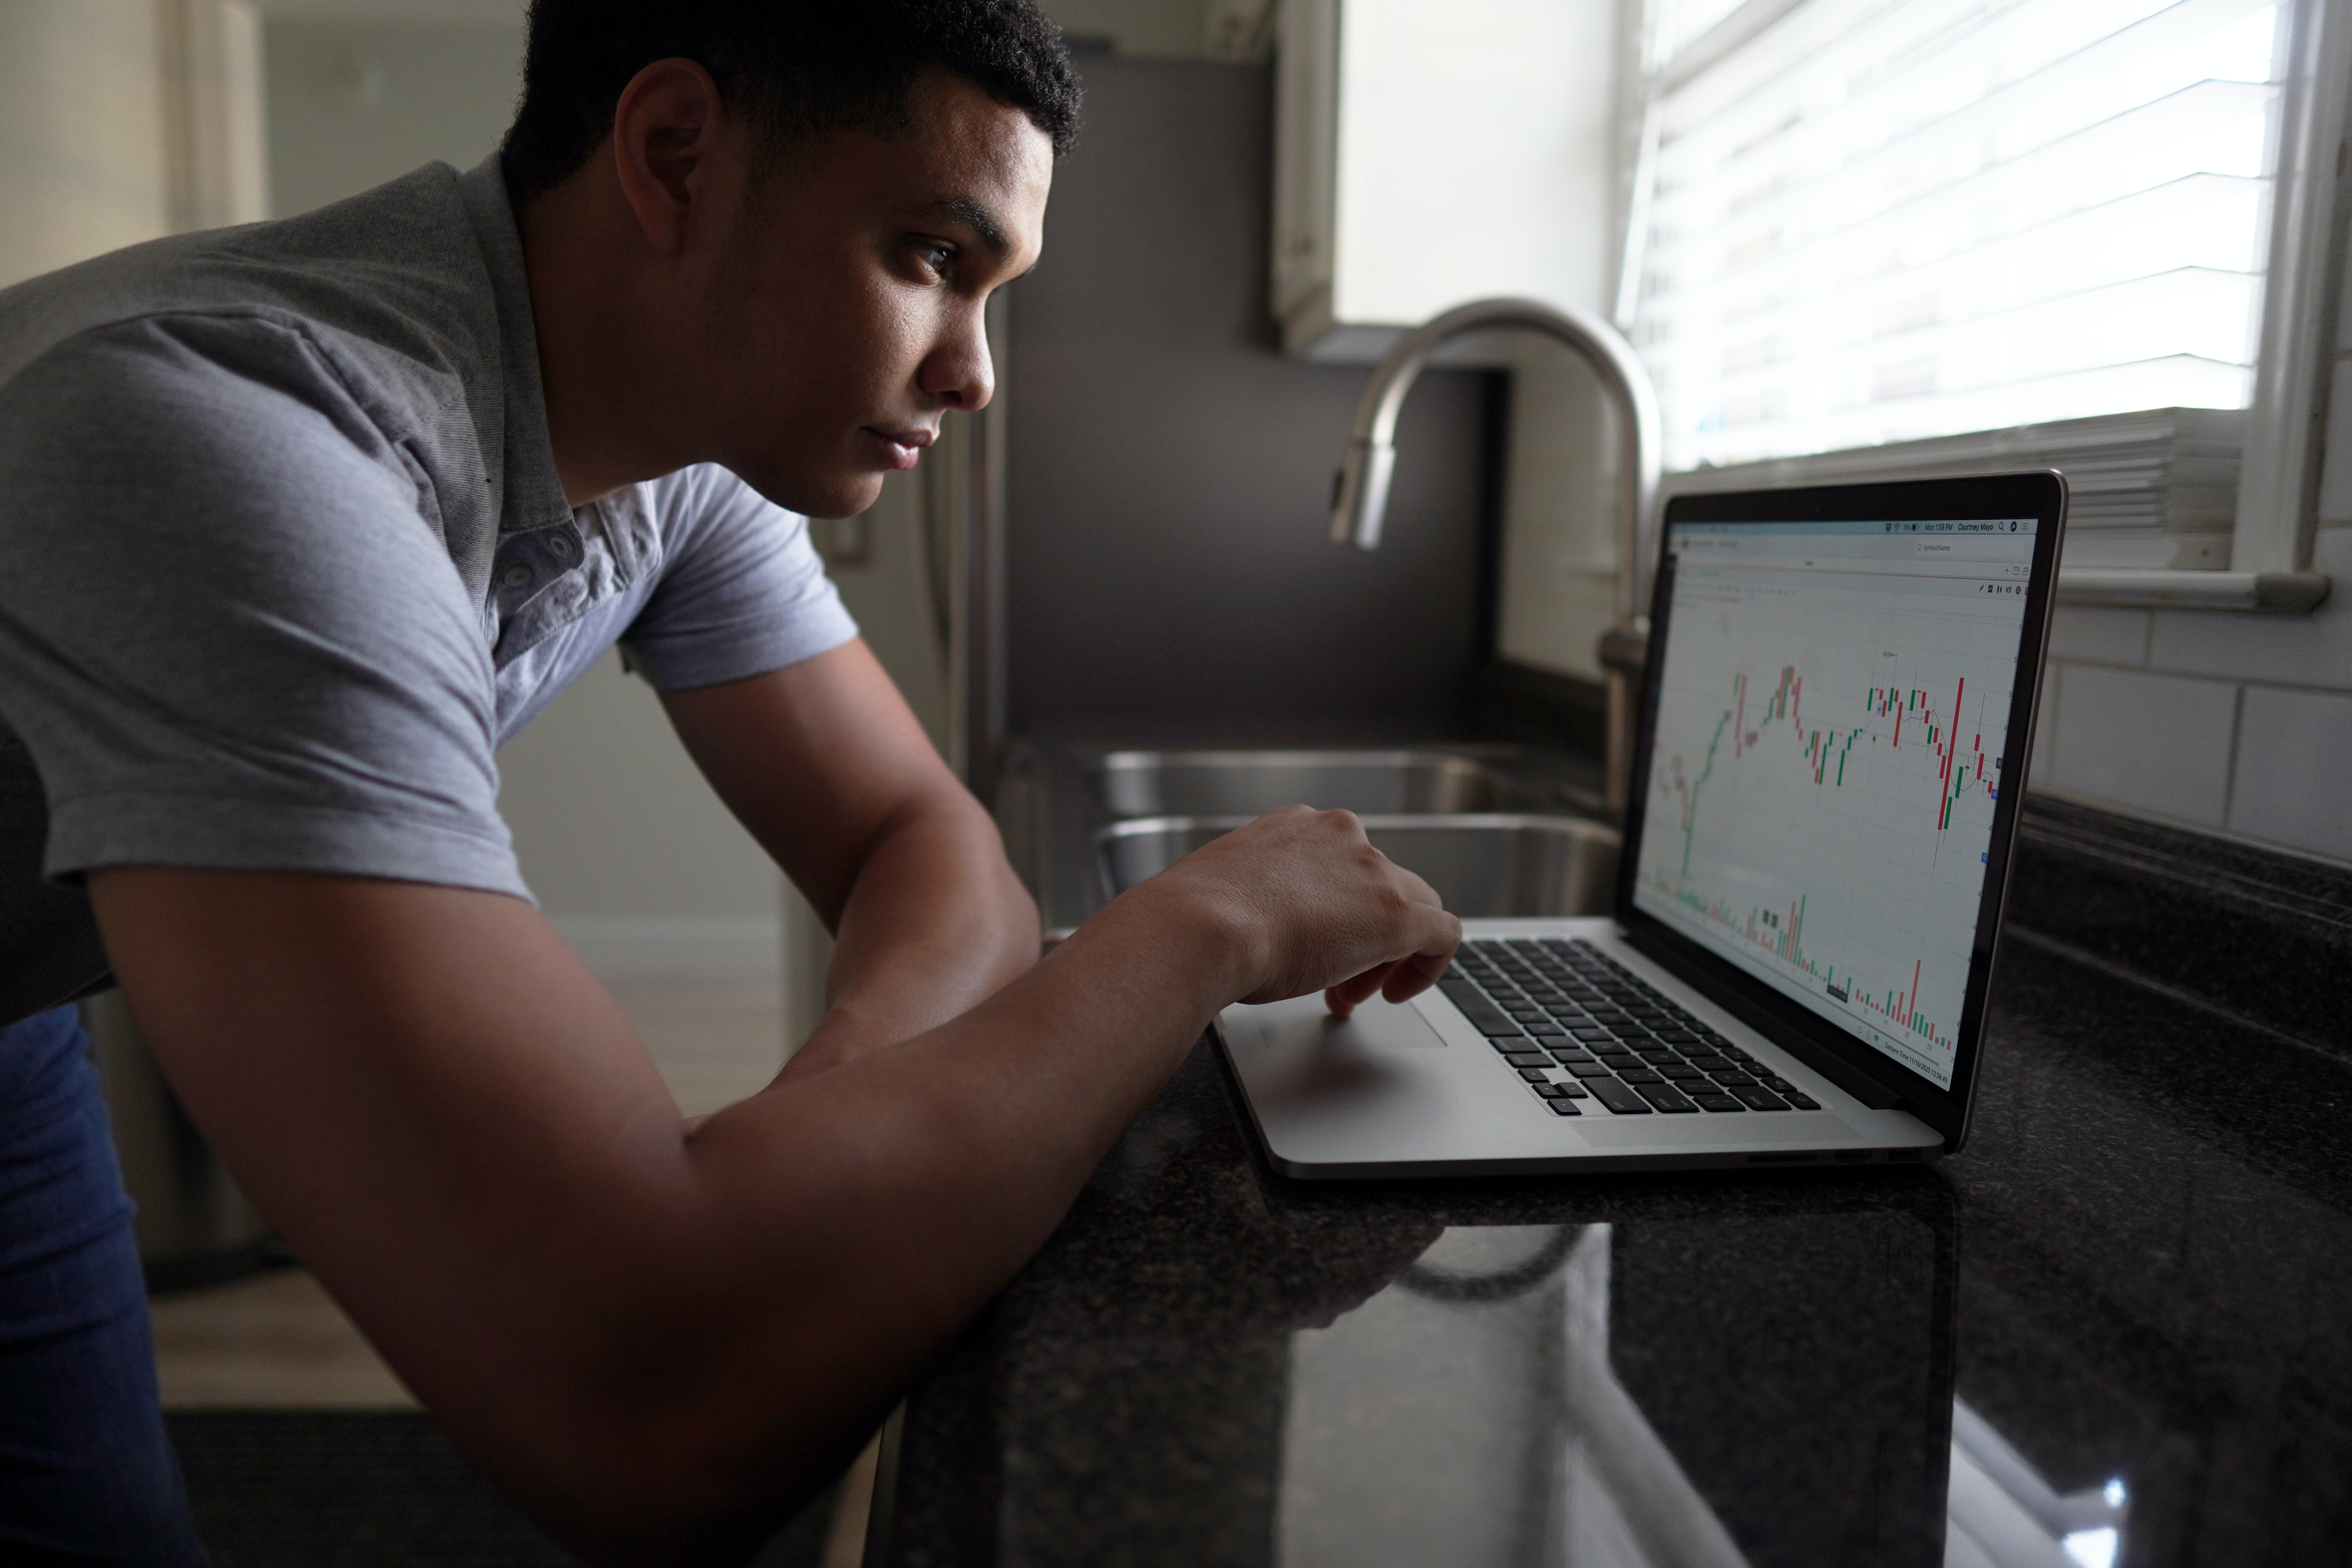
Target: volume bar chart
x,y
1821,794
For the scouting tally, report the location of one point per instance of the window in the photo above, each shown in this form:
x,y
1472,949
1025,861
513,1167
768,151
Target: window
x,y
1863,221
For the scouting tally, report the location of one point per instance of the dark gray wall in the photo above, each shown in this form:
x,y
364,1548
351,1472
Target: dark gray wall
x,y
1169,471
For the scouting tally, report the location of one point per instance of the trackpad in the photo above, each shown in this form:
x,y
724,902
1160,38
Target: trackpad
x,y
1295,1054
1304,1024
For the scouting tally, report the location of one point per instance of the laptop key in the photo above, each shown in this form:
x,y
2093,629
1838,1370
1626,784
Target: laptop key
x,y
1639,1075
1621,1101
1666,1097
1550,1091
1564,1107
1801,1101
1716,1102
1535,1075
1592,1070
1756,1098
1527,1058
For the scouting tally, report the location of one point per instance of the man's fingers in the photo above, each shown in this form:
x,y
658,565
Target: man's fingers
x,y
1349,994
1409,977
1412,975
1401,979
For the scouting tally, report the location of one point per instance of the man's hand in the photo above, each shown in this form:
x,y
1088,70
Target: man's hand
x,y
1334,914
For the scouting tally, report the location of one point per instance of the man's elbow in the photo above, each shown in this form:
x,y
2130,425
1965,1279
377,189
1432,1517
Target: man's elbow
x,y
674,1490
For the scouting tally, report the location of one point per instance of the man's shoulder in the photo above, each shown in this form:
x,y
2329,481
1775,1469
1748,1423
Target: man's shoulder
x,y
393,327
388,278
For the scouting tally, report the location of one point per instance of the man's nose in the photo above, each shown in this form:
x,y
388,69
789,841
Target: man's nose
x,y
958,372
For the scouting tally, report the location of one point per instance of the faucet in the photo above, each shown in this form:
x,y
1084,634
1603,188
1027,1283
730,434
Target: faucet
x,y
1362,496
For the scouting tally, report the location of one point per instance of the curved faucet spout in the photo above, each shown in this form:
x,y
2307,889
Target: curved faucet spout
x,y
1361,500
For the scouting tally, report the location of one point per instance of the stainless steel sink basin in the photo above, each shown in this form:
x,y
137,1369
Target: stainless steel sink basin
x,y
1247,782
1482,865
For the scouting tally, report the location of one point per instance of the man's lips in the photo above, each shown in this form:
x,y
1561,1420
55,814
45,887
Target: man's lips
x,y
901,447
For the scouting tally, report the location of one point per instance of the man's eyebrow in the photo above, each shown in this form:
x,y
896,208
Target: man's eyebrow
x,y
976,216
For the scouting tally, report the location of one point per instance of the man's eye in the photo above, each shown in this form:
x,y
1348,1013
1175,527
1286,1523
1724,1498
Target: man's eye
x,y
935,257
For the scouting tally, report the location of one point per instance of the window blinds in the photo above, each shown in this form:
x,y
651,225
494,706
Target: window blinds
x,y
1878,220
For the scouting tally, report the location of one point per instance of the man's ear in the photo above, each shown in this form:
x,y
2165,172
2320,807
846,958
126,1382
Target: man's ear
x,y
669,130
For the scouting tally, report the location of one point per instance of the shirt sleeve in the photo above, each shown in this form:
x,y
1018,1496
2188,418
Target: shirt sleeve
x,y
742,591
230,635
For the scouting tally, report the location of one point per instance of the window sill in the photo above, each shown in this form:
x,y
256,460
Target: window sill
x,y
2266,593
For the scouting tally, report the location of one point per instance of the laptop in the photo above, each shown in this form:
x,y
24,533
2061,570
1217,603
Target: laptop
x,y
1835,717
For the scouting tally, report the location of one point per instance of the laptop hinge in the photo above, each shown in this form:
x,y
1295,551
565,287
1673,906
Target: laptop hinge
x,y
1874,1094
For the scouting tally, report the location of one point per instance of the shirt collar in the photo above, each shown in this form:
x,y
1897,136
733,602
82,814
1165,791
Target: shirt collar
x,y
522,470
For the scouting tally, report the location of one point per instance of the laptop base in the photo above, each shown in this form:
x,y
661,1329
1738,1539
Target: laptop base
x,y
1415,1089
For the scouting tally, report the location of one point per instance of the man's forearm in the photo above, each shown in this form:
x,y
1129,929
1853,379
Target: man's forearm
x,y
935,924
825,765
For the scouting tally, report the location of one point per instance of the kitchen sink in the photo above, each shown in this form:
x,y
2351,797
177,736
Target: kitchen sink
x,y
1229,783
1492,864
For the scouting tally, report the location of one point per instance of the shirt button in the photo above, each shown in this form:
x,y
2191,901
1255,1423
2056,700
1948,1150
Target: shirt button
x,y
560,546
515,576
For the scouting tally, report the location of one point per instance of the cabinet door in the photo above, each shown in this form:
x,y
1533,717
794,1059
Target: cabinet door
x,y
1428,156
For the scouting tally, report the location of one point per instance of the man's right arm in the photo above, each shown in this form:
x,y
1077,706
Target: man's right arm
x,y
658,1339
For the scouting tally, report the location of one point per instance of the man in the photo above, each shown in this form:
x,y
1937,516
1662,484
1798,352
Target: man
x,y
302,520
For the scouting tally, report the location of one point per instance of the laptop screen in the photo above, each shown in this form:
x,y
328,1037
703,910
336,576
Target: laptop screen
x,y
1827,756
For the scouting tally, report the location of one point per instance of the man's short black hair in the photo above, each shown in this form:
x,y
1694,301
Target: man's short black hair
x,y
800,69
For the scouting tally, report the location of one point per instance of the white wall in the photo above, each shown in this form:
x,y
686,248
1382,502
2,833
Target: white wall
x,y
1143,28
355,102
1558,584
82,166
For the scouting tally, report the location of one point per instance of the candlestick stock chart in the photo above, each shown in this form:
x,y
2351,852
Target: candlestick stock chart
x,y
1822,783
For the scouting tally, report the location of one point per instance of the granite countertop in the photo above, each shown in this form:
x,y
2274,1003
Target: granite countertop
x,y
2126,1307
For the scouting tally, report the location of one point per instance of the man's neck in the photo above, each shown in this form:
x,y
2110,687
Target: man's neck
x,y
611,415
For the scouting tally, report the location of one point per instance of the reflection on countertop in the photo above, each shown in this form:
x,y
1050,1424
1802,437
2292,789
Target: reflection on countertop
x,y
2113,1330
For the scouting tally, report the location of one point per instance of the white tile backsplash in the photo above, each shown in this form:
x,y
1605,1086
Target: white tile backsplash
x,y
2099,634
2295,759
2150,742
2291,650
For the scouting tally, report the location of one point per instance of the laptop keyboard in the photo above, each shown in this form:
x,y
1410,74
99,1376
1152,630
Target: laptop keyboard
x,y
1576,1025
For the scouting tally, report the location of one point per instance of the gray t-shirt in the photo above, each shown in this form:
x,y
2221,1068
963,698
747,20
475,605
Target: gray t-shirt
x,y
284,559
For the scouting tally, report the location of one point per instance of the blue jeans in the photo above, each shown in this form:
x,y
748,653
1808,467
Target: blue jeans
x,y
87,1475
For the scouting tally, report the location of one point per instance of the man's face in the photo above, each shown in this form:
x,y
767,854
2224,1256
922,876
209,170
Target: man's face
x,y
847,318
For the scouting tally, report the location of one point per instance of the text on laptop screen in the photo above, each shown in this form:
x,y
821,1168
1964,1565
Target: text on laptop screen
x,y
1827,755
